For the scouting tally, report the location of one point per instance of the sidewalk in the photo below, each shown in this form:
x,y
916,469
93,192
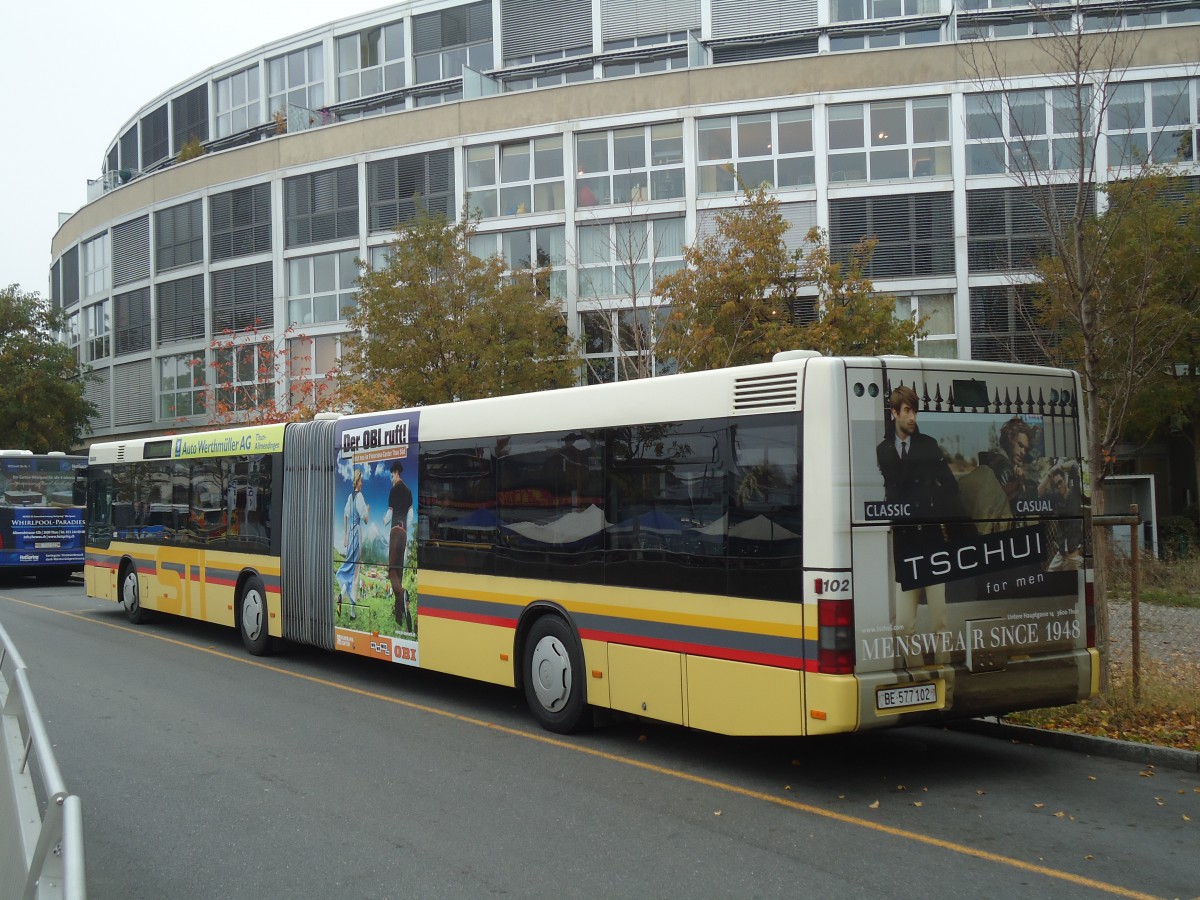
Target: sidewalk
x,y
1169,635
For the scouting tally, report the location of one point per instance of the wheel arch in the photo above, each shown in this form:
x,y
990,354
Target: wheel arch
x,y
536,610
243,576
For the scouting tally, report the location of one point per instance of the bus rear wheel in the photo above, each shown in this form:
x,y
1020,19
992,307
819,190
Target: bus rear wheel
x,y
252,617
131,596
553,676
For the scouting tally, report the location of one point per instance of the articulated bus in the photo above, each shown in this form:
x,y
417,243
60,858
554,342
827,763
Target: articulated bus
x,y
806,546
41,514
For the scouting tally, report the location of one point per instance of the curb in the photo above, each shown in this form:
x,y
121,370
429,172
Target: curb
x,y
1147,754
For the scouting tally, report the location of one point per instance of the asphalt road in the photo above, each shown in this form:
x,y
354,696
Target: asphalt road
x,y
205,773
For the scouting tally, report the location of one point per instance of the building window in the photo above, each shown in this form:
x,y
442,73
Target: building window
x,y
889,140
155,139
573,75
629,165
619,344
1025,131
244,377
1003,325
242,299
1151,122
371,61
180,309
189,117
181,386
878,40
297,79
178,236
1021,21
131,251
516,178
914,233
310,362
527,248
626,258
70,277
857,10
940,341
660,62
98,321
95,266
237,102
240,222
445,41
132,311
322,206
775,149
1007,228
396,188
71,332
321,288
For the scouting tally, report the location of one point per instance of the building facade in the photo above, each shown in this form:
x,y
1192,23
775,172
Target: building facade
x,y
599,137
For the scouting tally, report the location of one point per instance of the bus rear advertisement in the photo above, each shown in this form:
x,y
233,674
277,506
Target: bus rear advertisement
x,y
41,513
807,546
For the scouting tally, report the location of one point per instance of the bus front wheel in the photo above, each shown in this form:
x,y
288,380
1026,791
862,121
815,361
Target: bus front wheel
x,y
553,676
252,617
131,597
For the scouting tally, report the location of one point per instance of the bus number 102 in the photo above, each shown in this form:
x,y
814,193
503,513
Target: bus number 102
x,y
832,585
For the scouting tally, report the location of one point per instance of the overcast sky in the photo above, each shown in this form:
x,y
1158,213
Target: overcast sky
x,y
75,73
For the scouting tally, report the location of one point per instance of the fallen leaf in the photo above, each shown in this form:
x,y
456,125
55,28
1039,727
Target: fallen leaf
x,y
642,738
1091,778
901,787
980,791
1038,805
1059,815
841,796
918,803
1186,817
874,805
717,813
787,787
1089,856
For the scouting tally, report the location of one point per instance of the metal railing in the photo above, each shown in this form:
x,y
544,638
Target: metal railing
x,y
41,824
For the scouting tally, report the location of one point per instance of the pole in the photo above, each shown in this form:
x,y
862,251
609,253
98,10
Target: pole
x,y
1135,555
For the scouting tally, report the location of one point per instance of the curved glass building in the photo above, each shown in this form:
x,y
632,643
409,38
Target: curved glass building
x,y
599,137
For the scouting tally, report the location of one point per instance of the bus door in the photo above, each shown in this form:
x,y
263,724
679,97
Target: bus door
x,y
969,483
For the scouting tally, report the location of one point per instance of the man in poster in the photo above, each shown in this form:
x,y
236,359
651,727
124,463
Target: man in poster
x,y
918,482
399,506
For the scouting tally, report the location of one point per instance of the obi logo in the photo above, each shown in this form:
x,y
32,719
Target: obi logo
x,y
404,654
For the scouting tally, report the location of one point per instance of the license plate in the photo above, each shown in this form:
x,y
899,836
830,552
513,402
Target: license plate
x,y
908,695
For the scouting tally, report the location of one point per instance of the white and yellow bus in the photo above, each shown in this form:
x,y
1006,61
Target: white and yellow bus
x,y
806,546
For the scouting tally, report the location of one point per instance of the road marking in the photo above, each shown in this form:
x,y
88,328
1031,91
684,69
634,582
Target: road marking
x,y
542,738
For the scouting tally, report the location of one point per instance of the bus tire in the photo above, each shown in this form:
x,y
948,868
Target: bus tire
x,y
252,616
553,676
131,596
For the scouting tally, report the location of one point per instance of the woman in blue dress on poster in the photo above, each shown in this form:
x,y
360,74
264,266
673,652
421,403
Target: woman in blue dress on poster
x,y
356,515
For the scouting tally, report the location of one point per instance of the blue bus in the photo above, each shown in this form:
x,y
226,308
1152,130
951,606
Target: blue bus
x,y
41,514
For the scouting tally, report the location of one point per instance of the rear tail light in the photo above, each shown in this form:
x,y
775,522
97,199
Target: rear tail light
x,y
835,651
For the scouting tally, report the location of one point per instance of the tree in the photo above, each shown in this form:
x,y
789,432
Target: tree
x,y
42,401
744,296
261,379
1144,253
436,324
1058,178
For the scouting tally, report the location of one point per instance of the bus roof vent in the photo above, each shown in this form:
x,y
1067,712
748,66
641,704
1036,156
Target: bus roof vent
x,y
779,391
120,453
